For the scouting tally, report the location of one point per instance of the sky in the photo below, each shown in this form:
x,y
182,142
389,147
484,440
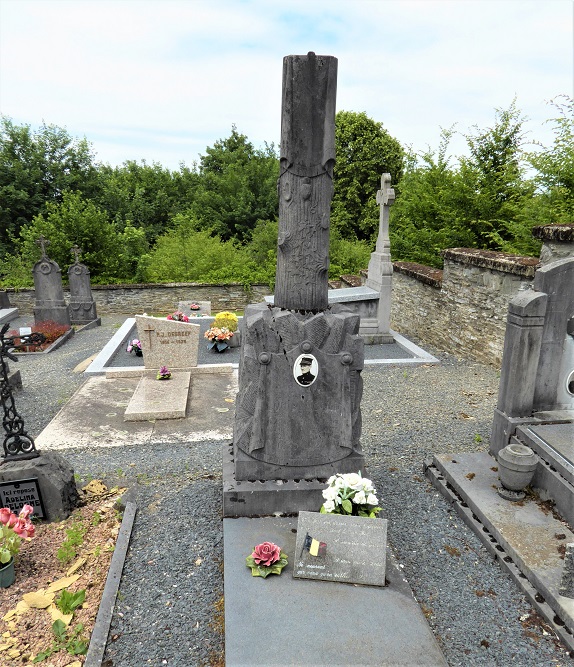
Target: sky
x,y
161,81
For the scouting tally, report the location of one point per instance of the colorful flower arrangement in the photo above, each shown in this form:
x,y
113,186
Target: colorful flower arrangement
x,y
226,320
163,373
194,306
350,494
13,529
267,558
134,346
178,316
218,338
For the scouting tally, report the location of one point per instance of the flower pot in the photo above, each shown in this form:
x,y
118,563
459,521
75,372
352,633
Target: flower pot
x,y
516,467
7,574
139,353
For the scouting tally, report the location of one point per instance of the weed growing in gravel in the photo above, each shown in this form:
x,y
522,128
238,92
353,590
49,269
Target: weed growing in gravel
x,y
73,642
68,602
477,437
74,538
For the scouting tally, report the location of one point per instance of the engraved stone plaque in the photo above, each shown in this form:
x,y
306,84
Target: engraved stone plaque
x,y
333,547
14,495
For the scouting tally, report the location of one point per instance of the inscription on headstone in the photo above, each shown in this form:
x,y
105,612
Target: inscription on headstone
x,y
168,342
14,495
333,547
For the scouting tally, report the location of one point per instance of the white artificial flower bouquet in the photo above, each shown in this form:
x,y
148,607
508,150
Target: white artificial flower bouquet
x,y
350,494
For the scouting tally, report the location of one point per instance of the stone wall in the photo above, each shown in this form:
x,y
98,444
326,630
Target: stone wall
x,y
154,298
462,309
557,242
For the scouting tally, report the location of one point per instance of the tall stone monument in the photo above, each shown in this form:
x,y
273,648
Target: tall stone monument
x,y
50,304
298,408
380,272
82,304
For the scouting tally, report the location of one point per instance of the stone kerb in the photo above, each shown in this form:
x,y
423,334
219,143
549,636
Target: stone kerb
x,y
168,342
557,241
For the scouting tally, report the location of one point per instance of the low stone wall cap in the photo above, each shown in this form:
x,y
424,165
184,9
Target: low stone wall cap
x,y
493,259
559,232
425,274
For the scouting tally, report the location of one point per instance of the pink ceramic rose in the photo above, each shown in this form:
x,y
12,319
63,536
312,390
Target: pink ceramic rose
x,y
5,514
24,528
26,511
266,554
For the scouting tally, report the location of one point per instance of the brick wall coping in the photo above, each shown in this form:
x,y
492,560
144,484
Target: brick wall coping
x,y
424,274
562,232
491,259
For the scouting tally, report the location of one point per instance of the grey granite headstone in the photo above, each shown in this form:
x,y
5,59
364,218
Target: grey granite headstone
x,y
50,304
349,549
538,359
298,407
168,342
4,300
82,304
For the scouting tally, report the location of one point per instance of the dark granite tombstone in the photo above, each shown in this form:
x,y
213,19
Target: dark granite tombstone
x,y
82,304
4,300
298,407
50,304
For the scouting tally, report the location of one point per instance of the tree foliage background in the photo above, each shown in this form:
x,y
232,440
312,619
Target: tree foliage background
x,y
217,220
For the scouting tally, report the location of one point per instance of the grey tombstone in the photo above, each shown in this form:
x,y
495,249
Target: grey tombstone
x,y
4,300
50,304
168,342
537,376
298,407
380,272
82,304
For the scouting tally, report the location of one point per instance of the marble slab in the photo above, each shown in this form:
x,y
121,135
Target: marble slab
x,y
159,399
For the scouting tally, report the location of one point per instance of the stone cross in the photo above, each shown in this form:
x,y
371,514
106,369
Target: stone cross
x,y
305,185
76,252
385,199
43,242
148,328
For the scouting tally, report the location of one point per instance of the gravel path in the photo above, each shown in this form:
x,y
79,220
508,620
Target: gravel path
x,y
170,602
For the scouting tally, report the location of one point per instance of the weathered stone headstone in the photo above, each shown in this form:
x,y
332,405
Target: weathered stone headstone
x,y
538,358
305,183
168,342
349,549
298,407
380,272
82,304
50,303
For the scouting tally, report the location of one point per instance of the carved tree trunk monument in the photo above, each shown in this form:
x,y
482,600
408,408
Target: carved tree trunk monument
x,y
298,416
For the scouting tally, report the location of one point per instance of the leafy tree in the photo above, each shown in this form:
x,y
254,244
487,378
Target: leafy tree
x,y
496,188
75,221
145,196
238,187
364,151
555,166
37,168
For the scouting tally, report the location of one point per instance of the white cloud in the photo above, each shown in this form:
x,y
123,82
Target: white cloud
x,y
162,80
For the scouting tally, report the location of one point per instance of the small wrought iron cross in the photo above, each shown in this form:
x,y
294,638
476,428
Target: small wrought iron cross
x,y
18,444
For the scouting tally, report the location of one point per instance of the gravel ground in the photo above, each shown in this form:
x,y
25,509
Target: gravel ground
x,y
170,602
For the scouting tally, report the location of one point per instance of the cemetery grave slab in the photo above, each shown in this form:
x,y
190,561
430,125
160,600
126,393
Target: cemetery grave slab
x,y
281,620
159,399
94,416
525,536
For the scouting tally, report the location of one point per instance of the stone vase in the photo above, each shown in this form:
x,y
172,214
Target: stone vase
x,y
516,466
7,574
